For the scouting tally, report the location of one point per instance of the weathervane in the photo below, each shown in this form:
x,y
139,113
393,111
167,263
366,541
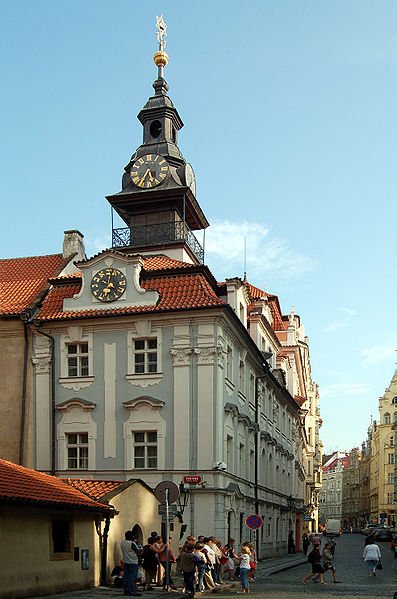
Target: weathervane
x,y
161,57
161,32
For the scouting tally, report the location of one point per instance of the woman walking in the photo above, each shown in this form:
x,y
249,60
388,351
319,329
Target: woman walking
x,y
371,557
314,558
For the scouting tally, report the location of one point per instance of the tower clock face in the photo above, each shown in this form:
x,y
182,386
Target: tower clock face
x,y
108,284
149,171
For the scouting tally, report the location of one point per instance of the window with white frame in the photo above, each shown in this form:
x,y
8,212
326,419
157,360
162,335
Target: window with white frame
x,y
77,451
390,498
390,478
390,458
145,355
145,449
387,418
77,359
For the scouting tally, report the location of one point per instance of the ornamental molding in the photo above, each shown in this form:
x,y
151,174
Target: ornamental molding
x,y
152,402
42,364
76,401
209,355
76,385
143,381
181,356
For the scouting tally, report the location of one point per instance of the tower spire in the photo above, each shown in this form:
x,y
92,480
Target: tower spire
x,y
161,57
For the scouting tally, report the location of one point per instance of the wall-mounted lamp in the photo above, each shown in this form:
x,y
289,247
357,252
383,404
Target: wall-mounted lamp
x,y
183,498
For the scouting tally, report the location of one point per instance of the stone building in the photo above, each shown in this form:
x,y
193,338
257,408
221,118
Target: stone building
x,y
144,365
332,483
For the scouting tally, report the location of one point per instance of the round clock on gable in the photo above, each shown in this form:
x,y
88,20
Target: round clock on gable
x,y
108,285
149,171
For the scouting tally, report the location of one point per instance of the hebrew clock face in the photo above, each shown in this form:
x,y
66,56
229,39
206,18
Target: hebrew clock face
x,y
149,171
108,284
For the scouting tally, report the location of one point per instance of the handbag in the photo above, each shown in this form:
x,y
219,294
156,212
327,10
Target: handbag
x,y
379,565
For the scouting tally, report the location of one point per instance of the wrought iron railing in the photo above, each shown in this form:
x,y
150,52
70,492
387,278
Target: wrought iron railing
x,y
160,233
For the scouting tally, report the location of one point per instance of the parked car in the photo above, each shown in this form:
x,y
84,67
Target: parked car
x,y
383,534
370,528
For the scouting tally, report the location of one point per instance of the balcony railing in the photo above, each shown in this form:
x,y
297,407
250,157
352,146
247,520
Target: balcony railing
x,y
161,233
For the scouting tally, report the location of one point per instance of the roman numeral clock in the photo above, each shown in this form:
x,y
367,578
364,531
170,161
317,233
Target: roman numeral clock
x,y
149,171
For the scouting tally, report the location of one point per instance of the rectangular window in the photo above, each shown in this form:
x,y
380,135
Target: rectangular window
x,y
61,539
77,359
145,356
391,458
77,451
390,498
390,478
145,449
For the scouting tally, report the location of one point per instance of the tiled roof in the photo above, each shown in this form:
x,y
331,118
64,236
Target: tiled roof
x,y
96,489
256,293
22,279
177,292
164,263
300,400
23,485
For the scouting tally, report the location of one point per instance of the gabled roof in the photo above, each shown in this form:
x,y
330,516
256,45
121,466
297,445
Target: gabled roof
x,y
189,287
25,486
256,293
103,490
22,280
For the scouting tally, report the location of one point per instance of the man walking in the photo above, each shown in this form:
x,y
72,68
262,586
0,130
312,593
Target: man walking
x,y
130,551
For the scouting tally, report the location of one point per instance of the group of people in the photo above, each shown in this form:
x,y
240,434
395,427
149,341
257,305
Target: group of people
x,y
204,563
321,561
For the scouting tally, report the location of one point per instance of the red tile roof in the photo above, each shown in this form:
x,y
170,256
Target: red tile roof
x,y
300,400
272,300
23,279
96,489
177,292
23,485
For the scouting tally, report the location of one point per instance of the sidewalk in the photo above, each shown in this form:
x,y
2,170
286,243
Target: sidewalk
x,y
266,568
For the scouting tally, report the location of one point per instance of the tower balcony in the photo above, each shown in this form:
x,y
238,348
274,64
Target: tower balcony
x,y
157,234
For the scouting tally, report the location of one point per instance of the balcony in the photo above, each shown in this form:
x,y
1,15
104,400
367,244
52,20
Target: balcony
x,y
157,234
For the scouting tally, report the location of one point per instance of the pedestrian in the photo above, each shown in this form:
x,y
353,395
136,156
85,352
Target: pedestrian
x,y
327,561
150,563
167,582
253,563
305,542
371,557
316,539
314,558
244,559
201,566
291,542
130,551
230,552
188,567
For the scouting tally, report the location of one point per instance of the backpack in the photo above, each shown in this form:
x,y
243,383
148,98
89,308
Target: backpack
x,y
310,558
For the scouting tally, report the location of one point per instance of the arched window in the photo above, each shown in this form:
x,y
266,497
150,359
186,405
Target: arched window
x,y
137,532
387,418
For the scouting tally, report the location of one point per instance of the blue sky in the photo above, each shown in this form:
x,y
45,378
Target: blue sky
x,y
290,125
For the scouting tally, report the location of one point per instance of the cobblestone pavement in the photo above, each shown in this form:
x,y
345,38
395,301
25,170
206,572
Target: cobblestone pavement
x,y
281,578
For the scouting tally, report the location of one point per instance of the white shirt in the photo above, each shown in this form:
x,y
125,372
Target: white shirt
x,y
371,552
245,561
211,554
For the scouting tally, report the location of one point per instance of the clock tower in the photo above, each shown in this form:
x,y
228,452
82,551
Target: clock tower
x,y
158,197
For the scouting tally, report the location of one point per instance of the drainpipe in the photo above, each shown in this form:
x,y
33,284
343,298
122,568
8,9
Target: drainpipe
x,y
256,464
25,319
103,545
37,324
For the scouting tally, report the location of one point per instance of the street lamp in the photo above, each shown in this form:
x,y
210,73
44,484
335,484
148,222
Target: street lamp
x,y
183,498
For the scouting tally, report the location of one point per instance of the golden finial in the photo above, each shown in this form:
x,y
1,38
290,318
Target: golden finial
x,y
161,58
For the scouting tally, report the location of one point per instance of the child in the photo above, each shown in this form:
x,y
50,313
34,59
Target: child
x,y
244,559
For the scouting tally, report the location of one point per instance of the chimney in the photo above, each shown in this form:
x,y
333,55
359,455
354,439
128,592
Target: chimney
x,y
73,244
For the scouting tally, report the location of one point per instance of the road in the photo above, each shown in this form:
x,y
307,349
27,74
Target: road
x,y
351,571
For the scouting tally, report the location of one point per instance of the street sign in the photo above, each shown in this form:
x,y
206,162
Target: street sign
x,y
166,487
306,518
254,521
192,479
172,510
